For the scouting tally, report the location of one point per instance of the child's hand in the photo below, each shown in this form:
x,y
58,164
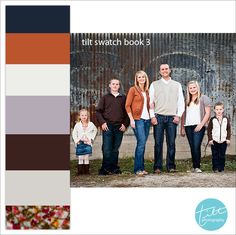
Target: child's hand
x,y
211,142
228,142
86,140
122,128
105,127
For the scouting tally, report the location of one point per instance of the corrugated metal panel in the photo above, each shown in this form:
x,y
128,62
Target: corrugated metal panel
x,y
208,58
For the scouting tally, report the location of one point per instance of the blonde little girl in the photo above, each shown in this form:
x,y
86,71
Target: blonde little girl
x,y
83,134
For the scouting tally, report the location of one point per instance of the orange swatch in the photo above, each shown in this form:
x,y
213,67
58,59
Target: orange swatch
x,y
38,48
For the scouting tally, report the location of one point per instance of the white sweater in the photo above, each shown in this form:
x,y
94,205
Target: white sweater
x,y
78,132
217,131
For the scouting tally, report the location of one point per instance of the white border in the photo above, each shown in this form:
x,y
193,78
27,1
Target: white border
x,y
153,17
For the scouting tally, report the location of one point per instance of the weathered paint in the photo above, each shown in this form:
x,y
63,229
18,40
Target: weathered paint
x,y
208,58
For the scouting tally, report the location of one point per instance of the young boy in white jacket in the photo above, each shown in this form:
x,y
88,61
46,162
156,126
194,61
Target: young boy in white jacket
x,y
219,132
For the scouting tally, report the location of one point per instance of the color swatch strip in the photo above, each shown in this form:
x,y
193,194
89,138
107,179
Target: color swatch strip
x,y
37,152
37,116
50,192
37,19
37,48
37,79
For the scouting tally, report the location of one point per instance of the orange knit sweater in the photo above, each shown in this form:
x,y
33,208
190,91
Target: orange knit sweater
x,y
134,102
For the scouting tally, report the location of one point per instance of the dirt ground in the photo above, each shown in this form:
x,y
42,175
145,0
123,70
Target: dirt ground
x,y
226,179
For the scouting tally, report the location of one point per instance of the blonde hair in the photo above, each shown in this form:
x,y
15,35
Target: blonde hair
x,y
83,110
136,83
189,96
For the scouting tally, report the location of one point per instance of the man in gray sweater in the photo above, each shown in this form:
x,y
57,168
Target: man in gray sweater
x,y
166,108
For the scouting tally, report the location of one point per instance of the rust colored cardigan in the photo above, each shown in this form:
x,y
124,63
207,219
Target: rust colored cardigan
x,y
134,102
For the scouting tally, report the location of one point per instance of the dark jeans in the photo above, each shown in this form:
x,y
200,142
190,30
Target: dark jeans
x,y
195,141
165,123
141,132
218,156
110,147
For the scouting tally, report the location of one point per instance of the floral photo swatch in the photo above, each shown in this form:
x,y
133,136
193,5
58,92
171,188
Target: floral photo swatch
x,y
37,217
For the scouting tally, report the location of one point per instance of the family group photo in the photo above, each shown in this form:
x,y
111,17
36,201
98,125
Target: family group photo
x,y
153,110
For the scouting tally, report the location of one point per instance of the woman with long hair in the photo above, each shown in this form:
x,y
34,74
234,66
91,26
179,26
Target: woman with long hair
x,y
137,107
194,120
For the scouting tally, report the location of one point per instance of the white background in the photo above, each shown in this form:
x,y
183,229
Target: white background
x,y
135,210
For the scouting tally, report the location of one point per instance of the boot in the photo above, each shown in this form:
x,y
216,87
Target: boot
x,y
86,169
80,169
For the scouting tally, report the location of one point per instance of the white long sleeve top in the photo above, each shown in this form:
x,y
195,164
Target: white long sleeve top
x,y
79,132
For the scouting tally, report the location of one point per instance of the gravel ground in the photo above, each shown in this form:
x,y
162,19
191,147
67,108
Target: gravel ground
x,y
226,179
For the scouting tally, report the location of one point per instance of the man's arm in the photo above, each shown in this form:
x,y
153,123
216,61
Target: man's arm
x,y
180,104
126,120
152,106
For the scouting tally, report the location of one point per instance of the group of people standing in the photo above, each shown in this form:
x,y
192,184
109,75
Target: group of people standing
x,y
162,105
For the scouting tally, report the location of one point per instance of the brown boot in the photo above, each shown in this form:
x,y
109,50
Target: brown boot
x,y
80,169
86,169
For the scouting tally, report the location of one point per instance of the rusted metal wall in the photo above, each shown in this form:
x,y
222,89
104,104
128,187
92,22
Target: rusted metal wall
x,y
208,58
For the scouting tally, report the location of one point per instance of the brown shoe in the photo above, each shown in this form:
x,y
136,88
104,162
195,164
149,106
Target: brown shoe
x,y
80,169
157,171
86,169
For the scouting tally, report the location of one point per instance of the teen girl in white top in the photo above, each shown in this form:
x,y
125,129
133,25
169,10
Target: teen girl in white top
x,y
194,120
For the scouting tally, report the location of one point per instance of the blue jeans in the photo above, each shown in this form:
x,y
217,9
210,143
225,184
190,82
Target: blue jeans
x,y
195,141
141,132
165,123
218,155
110,147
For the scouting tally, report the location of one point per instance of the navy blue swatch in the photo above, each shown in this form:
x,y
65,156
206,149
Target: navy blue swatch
x,y
37,19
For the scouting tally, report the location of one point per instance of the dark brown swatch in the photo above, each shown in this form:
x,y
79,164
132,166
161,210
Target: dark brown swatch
x,y
37,152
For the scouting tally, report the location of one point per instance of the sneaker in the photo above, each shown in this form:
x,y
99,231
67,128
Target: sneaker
x,y
145,172
172,170
215,171
193,170
104,172
139,173
157,171
117,171
197,170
